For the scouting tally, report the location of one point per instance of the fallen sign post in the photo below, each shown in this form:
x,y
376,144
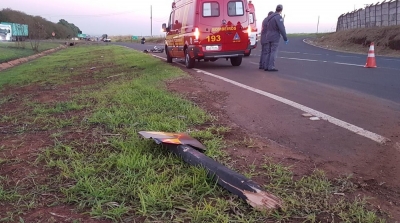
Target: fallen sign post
x,y
190,150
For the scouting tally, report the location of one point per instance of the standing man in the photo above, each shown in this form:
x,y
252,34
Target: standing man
x,y
263,42
275,28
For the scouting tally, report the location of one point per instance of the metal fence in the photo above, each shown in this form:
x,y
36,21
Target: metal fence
x,y
379,14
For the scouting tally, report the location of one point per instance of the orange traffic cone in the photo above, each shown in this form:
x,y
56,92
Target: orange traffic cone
x,y
371,63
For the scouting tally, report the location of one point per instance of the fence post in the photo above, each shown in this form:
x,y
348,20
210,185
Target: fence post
x,y
381,14
348,21
389,13
375,15
397,13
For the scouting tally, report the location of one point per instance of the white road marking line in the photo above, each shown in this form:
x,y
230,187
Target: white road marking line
x,y
349,64
316,54
347,56
159,57
360,131
288,52
298,59
397,146
392,60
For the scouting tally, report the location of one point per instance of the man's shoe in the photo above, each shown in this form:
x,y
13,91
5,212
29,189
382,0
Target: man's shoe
x,y
261,68
266,69
274,69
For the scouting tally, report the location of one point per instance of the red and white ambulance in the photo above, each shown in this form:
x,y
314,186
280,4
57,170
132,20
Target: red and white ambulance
x,y
208,30
253,23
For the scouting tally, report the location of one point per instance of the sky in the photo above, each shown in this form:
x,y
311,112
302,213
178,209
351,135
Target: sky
x,y
132,17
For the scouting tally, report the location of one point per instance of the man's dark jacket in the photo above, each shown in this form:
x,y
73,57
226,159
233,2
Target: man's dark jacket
x,y
272,29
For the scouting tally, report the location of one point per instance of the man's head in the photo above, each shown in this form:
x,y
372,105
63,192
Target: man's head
x,y
279,8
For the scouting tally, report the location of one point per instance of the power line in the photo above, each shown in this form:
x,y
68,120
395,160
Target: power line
x,y
94,15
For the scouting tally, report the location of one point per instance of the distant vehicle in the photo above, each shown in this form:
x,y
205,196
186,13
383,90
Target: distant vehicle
x,y
5,32
104,37
143,40
19,32
208,30
107,40
253,36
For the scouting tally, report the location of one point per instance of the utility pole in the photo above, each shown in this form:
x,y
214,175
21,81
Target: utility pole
x,y
318,24
151,20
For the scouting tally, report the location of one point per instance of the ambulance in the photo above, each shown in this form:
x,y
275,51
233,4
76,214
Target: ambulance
x,y
253,36
208,30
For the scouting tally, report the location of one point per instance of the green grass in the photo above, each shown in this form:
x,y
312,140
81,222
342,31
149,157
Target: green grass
x,y
154,39
10,51
53,69
112,173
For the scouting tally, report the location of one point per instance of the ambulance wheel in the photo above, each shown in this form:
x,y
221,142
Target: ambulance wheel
x,y
189,62
169,58
247,54
236,61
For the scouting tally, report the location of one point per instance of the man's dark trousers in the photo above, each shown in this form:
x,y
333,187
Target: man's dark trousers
x,y
270,53
262,57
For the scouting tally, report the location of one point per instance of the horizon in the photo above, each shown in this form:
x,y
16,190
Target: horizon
x,y
122,18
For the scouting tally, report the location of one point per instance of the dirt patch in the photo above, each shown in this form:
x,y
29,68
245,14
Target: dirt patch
x,y
16,62
23,140
386,40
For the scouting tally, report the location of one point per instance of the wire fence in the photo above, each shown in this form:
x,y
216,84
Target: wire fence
x,y
385,13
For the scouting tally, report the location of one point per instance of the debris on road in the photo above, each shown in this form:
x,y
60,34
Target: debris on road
x,y
307,115
93,68
315,119
191,151
154,50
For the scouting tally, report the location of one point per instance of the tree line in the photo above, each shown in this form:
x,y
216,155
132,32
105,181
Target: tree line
x,y
39,27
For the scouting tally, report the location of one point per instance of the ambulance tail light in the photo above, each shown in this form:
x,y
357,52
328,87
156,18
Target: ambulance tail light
x,y
196,33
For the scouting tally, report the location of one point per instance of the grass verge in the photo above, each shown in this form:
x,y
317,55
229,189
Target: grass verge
x,y
154,39
9,51
95,161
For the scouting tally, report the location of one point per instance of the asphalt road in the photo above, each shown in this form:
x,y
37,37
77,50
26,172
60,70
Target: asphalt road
x,y
361,105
